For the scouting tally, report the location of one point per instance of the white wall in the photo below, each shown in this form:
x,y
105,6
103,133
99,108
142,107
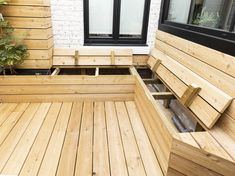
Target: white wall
x,y
68,27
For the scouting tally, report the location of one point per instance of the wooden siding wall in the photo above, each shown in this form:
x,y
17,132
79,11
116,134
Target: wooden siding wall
x,y
32,21
66,88
196,155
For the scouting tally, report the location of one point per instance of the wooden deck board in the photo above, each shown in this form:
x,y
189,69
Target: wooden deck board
x,y
8,146
68,155
52,155
36,154
20,153
131,150
76,138
6,110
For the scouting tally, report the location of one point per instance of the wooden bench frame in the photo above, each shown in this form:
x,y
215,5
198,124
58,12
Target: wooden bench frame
x,y
210,152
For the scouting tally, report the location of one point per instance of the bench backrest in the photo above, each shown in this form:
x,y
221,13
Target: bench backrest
x,y
92,56
182,64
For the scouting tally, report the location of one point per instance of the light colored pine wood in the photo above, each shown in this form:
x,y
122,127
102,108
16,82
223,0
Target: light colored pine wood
x,y
162,95
65,79
85,146
16,161
51,158
30,2
40,45
55,72
92,60
34,34
224,140
92,52
68,97
67,89
140,60
150,162
36,64
11,120
133,158
117,159
189,95
6,110
217,98
100,147
203,158
206,113
231,110
156,110
28,23
155,122
188,139
25,11
172,172
209,144
217,59
39,55
213,75
188,167
93,56
69,151
16,133
227,125
160,145
36,154
30,155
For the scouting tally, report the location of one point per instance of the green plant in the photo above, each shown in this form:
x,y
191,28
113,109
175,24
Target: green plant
x,y
12,51
3,2
207,19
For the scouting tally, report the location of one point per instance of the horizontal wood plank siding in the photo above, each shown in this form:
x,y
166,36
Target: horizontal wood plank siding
x,y
32,22
66,88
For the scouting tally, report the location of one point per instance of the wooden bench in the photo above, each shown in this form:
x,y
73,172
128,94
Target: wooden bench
x,y
209,152
89,57
205,79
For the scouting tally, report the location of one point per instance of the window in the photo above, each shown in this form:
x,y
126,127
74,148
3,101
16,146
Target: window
x,y
116,22
208,22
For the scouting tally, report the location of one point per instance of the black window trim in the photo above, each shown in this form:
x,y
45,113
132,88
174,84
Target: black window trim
x,y
214,38
116,41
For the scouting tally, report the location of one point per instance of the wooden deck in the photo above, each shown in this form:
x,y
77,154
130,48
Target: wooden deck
x,y
80,138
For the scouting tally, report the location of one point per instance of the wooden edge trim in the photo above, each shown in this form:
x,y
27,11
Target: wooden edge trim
x,y
97,71
163,95
156,65
189,95
76,56
112,58
56,72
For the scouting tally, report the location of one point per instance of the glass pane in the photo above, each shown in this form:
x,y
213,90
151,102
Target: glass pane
x,y
131,18
206,13
179,10
101,18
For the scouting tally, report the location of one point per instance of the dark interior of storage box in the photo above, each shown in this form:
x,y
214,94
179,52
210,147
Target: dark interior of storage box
x,y
145,73
28,72
114,71
77,71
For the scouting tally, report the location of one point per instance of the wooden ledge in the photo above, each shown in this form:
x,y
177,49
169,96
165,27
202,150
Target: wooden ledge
x,y
163,95
76,57
189,95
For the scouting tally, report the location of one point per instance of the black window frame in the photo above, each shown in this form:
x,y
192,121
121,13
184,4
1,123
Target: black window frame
x,y
116,40
214,38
